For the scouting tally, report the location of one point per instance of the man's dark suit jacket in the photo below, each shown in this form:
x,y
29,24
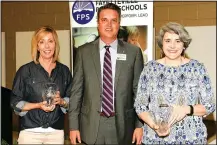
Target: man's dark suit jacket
x,y
85,100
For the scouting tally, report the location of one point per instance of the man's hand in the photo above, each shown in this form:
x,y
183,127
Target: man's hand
x,y
75,134
137,135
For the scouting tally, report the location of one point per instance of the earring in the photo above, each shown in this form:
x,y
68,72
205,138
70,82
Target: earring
x,y
161,55
184,55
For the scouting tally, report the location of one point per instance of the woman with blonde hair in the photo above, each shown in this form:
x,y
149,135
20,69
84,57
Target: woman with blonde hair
x,y
41,118
133,35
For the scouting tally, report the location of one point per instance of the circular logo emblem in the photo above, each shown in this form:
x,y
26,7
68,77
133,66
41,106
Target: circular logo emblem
x,y
83,11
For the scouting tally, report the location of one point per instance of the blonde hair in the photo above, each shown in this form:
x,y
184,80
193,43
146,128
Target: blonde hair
x,y
37,37
133,31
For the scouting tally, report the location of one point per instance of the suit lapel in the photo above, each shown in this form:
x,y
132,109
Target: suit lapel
x,y
96,60
120,50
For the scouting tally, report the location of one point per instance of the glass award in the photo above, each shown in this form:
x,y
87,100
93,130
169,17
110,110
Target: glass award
x,y
162,115
49,92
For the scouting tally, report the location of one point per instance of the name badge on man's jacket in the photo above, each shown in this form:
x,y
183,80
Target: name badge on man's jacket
x,y
121,56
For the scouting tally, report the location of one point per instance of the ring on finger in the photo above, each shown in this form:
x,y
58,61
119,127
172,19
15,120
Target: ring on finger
x,y
52,108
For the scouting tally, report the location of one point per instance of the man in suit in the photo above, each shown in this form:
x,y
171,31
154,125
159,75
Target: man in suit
x,y
105,82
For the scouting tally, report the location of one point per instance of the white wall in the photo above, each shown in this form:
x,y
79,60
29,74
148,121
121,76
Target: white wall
x,y
23,47
203,48
3,67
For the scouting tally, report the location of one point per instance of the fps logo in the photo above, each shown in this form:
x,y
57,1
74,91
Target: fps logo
x,y
83,11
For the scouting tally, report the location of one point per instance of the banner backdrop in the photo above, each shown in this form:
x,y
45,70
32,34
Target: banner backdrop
x,y
136,23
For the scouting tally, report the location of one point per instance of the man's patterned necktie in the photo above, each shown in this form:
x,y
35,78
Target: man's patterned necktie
x,y
107,98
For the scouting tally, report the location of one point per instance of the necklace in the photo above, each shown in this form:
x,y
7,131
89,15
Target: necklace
x,y
180,62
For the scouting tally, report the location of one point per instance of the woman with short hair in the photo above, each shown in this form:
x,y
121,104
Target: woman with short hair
x,y
176,82
41,121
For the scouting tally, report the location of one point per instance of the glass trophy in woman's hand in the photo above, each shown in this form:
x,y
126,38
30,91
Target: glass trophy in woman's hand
x,y
162,115
49,92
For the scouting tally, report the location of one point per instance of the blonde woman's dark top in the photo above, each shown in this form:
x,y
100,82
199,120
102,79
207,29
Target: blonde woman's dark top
x,y
28,86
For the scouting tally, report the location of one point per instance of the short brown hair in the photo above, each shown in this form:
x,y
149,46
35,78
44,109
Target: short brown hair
x,y
38,34
177,29
109,6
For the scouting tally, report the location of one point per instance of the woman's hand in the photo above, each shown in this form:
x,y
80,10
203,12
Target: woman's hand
x,y
178,113
58,99
161,129
47,108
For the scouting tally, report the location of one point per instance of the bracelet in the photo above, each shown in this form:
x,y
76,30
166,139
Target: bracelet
x,y
191,110
64,103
